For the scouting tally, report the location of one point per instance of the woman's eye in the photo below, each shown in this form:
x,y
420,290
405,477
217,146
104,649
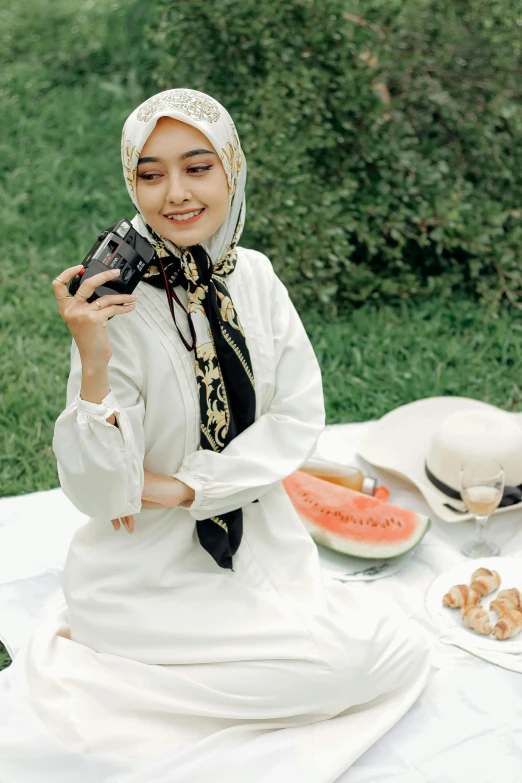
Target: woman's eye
x,y
148,176
197,169
192,170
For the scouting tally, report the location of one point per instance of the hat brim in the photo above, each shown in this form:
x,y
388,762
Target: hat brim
x,y
399,443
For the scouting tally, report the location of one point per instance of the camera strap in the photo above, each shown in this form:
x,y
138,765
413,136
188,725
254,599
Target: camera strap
x,y
172,294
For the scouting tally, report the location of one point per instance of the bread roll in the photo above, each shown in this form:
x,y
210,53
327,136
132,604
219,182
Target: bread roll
x,y
485,581
513,596
509,624
461,595
476,618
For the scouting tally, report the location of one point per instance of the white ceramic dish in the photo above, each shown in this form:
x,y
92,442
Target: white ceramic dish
x,y
449,620
358,569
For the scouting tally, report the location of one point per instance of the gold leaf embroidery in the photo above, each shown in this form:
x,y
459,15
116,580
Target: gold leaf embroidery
x,y
189,102
210,439
130,156
228,313
220,522
232,159
240,356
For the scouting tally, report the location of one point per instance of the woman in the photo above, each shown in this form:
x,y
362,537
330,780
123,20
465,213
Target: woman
x,y
199,621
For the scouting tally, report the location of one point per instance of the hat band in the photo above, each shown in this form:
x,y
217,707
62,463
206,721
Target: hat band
x,y
511,496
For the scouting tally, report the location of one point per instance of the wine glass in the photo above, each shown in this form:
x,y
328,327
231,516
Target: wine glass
x,y
482,487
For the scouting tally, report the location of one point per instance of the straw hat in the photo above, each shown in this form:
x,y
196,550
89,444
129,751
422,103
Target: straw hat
x,y
428,440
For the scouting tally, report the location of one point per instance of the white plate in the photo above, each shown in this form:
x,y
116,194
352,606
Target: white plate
x,y
359,569
449,620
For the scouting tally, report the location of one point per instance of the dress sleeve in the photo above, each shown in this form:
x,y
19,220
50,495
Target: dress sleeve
x,y
280,440
100,466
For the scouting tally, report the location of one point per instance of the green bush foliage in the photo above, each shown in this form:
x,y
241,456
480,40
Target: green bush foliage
x,y
383,138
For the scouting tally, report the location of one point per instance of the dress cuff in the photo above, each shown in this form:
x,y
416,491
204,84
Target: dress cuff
x,y
99,411
195,483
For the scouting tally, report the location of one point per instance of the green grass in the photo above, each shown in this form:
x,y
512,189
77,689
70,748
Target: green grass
x,y
377,358
67,86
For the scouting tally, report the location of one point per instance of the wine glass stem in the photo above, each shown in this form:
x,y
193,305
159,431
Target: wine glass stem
x,y
481,524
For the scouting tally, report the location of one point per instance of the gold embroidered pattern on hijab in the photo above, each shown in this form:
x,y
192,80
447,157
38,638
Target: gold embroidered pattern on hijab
x,y
197,107
232,159
130,156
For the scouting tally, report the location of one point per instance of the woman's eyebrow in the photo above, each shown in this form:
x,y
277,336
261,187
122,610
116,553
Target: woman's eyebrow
x,y
196,152
181,157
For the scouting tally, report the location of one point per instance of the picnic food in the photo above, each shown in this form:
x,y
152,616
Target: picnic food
x,y
507,605
461,595
509,624
485,581
511,599
506,599
476,618
350,522
500,605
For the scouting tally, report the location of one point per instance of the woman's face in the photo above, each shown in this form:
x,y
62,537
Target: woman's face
x,y
181,186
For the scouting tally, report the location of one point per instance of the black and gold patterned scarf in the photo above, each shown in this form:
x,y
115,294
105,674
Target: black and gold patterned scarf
x,y
227,400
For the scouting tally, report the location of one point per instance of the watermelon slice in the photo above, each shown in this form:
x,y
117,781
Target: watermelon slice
x,y
350,522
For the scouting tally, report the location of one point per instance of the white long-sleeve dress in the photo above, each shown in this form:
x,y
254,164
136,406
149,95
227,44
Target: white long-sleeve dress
x,y
162,667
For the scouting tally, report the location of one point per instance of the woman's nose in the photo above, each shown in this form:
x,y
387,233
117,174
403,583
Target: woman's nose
x,y
177,190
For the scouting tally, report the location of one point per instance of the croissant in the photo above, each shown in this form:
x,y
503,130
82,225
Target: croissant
x,y
506,599
476,618
508,624
512,596
500,605
485,581
461,595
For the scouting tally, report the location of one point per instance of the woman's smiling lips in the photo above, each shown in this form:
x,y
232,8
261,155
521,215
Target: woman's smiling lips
x,y
184,218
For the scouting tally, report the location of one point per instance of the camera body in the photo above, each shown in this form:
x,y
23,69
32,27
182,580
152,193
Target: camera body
x,y
119,247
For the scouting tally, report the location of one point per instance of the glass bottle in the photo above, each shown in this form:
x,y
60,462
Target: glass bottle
x,y
345,475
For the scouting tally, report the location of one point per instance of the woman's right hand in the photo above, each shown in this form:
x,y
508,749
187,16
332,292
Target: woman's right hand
x,y
88,322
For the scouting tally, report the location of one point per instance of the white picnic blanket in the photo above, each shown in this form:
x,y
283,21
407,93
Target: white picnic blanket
x,y
466,727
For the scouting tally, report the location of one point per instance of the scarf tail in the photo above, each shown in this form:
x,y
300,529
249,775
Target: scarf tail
x,y
217,541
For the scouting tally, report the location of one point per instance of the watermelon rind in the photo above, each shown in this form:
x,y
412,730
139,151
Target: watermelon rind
x,y
367,551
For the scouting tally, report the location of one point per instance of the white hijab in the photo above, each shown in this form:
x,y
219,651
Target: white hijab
x,y
208,116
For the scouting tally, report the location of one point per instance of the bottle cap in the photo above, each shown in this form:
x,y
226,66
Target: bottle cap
x,y
369,485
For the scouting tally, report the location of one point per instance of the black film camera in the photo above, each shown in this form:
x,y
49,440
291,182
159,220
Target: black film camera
x,y
118,247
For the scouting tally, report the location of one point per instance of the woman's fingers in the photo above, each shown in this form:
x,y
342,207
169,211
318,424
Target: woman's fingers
x,y
128,523
87,321
59,285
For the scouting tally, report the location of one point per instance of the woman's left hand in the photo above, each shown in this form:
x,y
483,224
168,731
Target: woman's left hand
x,y
128,523
158,492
